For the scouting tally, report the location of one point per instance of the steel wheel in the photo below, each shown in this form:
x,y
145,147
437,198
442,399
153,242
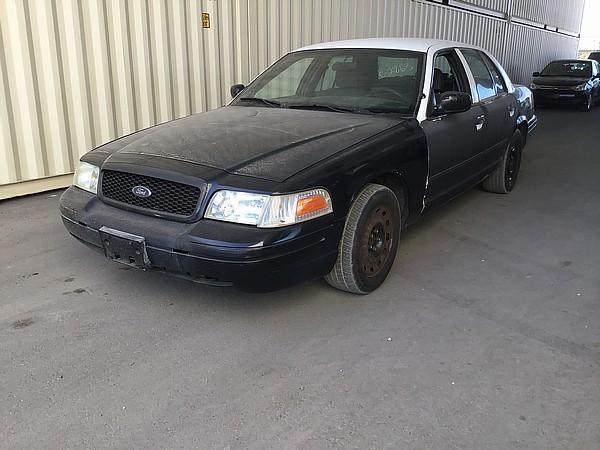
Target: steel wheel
x,y
369,241
513,164
376,241
504,177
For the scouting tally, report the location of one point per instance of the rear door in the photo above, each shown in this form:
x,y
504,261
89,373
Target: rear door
x,y
499,107
506,106
454,140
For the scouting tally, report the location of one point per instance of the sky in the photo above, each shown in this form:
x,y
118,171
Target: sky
x,y
590,27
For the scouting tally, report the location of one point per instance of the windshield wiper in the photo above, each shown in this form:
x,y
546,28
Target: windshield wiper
x,y
334,108
383,110
264,101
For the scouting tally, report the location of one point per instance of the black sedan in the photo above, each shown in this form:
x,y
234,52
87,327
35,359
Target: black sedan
x,y
571,81
312,171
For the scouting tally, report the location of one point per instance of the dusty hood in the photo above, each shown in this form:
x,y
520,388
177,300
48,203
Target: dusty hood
x,y
270,143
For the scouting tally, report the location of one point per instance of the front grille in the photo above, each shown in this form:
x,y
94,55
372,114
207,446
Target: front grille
x,y
167,196
557,90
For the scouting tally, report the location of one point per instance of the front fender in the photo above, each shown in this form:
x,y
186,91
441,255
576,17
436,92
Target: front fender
x,y
398,153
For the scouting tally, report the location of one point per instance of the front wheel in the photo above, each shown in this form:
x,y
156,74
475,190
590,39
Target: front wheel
x,y
369,241
504,177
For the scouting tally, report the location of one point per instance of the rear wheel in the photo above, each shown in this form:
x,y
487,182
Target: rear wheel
x,y
504,177
369,241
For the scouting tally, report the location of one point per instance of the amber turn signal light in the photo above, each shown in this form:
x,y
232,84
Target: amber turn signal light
x,y
312,204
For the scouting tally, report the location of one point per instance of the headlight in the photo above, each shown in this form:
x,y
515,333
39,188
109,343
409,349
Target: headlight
x,y
268,211
581,87
239,207
86,177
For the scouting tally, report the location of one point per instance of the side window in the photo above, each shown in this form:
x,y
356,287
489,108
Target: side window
x,y
448,75
498,80
285,83
486,87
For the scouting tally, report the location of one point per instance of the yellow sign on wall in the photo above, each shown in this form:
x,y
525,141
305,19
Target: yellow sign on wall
x,y
205,20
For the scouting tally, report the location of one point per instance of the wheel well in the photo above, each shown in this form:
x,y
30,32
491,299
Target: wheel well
x,y
396,183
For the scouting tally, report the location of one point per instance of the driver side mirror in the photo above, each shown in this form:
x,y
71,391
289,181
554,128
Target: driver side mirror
x,y
454,102
236,89
536,74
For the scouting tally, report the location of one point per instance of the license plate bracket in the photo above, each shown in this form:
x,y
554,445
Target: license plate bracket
x,y
125,248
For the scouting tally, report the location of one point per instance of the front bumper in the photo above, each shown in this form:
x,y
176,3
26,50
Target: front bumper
x,y
212,252
559,97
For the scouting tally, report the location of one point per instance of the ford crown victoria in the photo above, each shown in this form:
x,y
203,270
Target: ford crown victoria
x,y
312,170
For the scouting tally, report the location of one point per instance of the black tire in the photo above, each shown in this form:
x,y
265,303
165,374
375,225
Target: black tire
x,y
504,177
369,241
589,102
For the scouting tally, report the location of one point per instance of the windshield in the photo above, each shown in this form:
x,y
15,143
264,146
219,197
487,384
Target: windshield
x,y
363,81
580,69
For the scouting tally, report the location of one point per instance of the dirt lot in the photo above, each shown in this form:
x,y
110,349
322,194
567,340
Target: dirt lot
x,y
486,334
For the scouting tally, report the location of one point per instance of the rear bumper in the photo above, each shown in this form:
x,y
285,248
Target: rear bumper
x,y
211,252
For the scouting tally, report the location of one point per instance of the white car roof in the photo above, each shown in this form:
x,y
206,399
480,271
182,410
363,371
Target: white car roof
x,y
412,44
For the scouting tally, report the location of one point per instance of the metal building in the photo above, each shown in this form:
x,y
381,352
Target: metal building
x,y
75,74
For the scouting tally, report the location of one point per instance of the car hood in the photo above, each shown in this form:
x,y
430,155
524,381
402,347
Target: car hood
x,y
559,81
269,143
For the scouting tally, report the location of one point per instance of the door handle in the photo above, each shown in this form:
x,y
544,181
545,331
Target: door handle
x,y
480,122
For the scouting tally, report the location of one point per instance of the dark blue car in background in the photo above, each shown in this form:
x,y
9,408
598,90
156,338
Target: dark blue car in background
x,y
569,81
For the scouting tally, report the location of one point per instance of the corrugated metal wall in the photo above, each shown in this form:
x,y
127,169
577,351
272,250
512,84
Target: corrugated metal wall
x,y
564,15
548,46
79,73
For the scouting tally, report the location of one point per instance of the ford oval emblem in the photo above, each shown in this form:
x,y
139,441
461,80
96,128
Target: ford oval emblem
x,y
141,191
